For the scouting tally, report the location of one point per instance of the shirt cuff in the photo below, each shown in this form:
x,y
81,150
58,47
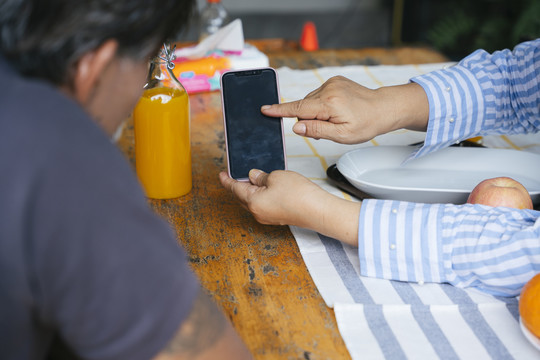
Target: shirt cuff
x,y
402,241
456,107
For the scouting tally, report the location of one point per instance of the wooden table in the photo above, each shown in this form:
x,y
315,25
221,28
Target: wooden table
x,y
255,272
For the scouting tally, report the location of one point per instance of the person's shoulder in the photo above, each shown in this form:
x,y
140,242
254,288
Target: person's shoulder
x,y
58,158
50,132
41,113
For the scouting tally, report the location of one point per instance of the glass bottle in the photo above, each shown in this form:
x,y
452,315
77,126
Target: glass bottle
x,y
213,17
162,132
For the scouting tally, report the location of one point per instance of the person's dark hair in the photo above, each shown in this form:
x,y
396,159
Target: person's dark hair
x,y
45,38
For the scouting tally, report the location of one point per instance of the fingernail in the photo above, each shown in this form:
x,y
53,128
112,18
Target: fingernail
x,y
254,173
299,128
266,107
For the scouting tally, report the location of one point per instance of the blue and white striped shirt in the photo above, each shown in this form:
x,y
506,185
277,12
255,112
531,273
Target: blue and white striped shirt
x,y
496,250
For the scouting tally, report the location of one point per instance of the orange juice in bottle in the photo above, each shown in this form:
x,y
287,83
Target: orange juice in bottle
x,y
162,135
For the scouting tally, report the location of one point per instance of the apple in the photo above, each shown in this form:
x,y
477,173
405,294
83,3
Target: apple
x,y
501,191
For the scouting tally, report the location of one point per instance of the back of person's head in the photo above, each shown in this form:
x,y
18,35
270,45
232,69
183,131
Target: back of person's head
x,y
44,39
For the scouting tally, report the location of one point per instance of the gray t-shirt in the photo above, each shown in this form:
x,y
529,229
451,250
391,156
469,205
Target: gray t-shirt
x,y
84,262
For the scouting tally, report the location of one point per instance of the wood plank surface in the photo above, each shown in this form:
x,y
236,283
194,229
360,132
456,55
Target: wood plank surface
x,y
255,272
343,57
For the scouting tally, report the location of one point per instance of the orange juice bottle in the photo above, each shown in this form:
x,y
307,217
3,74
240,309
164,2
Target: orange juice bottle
x,y
162,135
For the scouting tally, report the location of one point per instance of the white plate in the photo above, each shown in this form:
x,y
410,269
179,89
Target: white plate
x,y
444,176
532,339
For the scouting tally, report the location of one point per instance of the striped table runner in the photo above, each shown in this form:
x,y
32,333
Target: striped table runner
x,y
389,319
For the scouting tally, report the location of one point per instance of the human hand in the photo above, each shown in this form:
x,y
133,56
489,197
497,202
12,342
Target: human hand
x,y
288,198
295,193
348,113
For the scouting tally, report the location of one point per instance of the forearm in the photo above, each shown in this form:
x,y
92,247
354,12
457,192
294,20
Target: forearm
x,y
463,245
482,95
320,211
205,334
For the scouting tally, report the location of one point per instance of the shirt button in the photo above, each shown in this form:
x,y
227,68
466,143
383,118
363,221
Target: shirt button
x,y
392,246
420,282
394,211
448,88
451,119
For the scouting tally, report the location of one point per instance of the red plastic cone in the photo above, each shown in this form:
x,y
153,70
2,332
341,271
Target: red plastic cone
x,y
308,40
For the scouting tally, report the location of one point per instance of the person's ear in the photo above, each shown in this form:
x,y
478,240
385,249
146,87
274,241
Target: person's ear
x,y
89,69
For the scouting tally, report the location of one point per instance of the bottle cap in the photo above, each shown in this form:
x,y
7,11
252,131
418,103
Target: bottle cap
x,y
168,56
308,40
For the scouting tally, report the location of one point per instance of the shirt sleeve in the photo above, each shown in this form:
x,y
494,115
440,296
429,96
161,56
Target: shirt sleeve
x,y
496,250
484,94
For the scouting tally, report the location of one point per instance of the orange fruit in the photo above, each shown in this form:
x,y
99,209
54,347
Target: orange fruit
x,y
529,305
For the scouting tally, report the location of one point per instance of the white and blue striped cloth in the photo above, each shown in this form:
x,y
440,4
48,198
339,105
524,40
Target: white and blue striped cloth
x,y
484,94
381,318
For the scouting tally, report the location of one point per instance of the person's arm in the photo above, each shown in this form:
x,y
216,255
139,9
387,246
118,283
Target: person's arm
x,y
205,334
483,94
496,250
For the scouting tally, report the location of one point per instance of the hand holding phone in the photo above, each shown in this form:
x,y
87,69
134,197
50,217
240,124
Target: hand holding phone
x,y
253,140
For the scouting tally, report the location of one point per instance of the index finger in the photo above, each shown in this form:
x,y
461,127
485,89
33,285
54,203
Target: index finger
x,y
306,109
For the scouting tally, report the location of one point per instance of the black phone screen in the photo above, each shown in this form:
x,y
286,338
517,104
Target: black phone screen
x,y
254,141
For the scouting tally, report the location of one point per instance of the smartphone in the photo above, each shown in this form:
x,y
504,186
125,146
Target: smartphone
x,y
252,140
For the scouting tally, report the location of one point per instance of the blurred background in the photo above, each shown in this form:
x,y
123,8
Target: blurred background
x,y
453,27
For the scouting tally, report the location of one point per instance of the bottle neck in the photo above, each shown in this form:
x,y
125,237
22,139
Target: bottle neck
x,y
159,75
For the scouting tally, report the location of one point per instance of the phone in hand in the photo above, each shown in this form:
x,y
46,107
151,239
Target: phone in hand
x,y
252,139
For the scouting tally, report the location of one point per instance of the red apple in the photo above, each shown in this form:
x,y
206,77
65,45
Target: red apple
x,y
501,191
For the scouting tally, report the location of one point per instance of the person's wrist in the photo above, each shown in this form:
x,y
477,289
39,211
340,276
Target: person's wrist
x,y
406,106
339,219
313,209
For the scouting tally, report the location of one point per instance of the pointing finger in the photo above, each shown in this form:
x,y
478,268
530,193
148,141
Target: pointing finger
x,y
302,109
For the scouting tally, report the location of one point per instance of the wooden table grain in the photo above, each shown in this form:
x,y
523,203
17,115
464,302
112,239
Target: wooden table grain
x,y
255,272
